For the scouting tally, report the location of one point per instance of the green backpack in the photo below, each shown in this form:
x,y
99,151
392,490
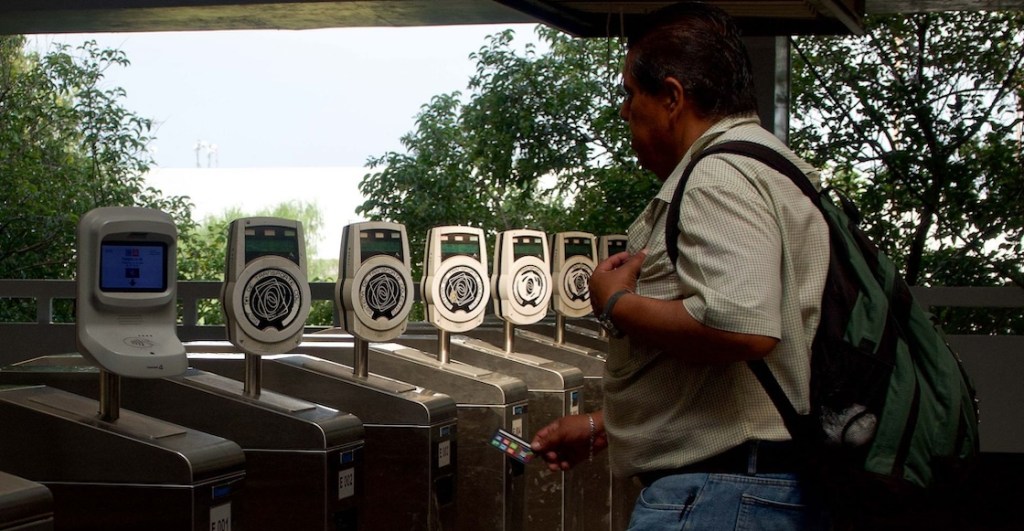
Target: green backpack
x,y
892,410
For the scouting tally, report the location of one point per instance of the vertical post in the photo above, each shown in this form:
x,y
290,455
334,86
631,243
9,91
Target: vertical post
x,y
510,337
559,329
253,383
110,396
361,358
444,346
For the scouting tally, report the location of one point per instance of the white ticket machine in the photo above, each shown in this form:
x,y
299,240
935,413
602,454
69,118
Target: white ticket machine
x,y
95,465
455,287
265,294
520,279
126,310
375,289
573,258
610,244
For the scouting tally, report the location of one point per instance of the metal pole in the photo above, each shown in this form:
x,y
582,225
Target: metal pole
x,y
510,337
444,346
559,329
253,383
110,396
360,366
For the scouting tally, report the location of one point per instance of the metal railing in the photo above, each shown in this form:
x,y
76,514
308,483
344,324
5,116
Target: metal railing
x,y
994,362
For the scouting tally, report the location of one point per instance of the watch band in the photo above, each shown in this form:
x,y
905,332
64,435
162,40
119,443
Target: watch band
x,y
606,316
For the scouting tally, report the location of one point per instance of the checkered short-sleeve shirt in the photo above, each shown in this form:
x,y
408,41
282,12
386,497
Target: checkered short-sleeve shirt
x,y
753,255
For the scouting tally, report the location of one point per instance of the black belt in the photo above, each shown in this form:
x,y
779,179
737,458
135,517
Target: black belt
x,y
749,458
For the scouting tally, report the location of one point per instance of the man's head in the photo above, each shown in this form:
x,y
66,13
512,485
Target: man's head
x,y
698,45
686,68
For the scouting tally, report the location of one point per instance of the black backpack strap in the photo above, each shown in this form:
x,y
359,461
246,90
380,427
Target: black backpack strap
x,y
781,164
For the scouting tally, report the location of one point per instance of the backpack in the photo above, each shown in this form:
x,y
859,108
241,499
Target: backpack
x,y
893,412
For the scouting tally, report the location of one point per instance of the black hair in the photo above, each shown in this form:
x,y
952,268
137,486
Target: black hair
x,y
700,46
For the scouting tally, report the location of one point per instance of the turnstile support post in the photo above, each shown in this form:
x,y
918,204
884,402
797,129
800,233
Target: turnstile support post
x,y
110,396
444,346
361,358
559,329
253,383
510,337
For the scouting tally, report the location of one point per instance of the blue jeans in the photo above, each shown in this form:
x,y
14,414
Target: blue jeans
x,y
696,501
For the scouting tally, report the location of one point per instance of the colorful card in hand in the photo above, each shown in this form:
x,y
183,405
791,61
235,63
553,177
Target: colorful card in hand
x,y
512,446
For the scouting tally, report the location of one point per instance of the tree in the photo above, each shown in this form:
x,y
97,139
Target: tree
x,y
66,146
538,143
920,121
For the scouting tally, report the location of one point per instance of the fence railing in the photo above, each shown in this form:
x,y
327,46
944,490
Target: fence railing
x,y
994,362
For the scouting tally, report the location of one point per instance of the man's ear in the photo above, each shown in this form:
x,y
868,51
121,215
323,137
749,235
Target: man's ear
x,y
675,96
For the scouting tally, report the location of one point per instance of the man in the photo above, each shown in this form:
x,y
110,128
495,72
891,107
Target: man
x,y
683,412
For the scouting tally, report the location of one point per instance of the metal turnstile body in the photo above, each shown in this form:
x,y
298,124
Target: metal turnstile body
x,y
491,487
553,500
582,336
298,454
597,495
135,473
584,333
24,505
410,432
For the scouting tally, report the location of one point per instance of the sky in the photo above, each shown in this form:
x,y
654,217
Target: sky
x,y
255,118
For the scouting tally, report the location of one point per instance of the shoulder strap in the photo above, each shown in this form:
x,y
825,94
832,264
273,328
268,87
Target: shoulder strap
x,y
781,164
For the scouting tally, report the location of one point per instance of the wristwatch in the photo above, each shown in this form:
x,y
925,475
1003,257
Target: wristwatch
x,y
606,316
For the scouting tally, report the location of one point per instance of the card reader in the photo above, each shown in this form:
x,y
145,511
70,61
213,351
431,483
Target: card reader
x,y
374,289
521,278
126,310
455,288
265,294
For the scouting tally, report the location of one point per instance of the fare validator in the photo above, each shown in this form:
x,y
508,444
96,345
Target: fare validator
x,y
609,245
520,278
126,310
374,288
573,259
265,295
454,288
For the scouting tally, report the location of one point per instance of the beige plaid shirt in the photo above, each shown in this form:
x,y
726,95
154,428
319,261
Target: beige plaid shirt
x,y
753,255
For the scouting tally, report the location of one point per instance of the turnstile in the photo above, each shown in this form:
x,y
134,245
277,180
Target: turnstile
x,y
491,487
410,432
298,454
597,494
579,337
134,473
553,499
24,505
584,333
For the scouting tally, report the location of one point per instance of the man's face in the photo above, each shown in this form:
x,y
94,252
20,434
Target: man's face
x,y
648,125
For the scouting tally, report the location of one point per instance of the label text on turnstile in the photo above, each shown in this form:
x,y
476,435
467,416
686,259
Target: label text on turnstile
x,y
346,483
574,403
220,517
444,454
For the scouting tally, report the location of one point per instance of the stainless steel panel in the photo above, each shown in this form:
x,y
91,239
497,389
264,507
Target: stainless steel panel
x,y
134,473
491,487
554,500
410,433
294,449
24,505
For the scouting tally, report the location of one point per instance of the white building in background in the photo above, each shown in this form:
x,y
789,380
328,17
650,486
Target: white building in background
x,y
335,191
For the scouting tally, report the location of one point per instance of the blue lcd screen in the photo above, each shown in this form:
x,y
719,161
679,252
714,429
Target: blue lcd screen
x,y
128,267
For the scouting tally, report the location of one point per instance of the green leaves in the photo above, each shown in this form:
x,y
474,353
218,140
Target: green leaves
x,y
66,146
536,143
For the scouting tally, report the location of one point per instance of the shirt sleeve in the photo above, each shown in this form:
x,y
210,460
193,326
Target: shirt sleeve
x,y
730,252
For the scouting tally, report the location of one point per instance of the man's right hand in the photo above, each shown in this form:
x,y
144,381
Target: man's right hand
x,y
566,441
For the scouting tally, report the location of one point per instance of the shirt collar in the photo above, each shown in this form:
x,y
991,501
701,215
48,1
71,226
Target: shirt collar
x,y
708,138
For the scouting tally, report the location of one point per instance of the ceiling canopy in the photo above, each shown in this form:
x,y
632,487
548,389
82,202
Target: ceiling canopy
x,y
586,18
